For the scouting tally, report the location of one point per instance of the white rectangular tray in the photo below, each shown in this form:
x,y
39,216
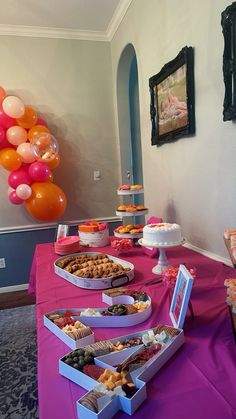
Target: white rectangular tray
x,y
98,283
140,376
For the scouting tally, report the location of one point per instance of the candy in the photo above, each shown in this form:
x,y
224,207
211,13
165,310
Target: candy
x,y
121,245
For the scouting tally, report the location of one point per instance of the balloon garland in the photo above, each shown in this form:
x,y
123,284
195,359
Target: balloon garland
x,y
29,152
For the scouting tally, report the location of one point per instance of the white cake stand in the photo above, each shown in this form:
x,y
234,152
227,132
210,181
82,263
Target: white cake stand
x,y
162,260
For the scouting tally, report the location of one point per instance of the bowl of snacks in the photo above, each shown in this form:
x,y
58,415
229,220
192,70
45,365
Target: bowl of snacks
x,y
122,245
117,310
169,275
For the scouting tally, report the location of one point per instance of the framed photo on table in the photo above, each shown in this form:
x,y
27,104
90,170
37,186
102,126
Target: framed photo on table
x,y
181,297
172,99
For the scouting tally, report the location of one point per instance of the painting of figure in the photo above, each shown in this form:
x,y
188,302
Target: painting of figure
x,y
172,102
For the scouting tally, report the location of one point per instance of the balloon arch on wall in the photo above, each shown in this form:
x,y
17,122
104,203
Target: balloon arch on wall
x,y
29,152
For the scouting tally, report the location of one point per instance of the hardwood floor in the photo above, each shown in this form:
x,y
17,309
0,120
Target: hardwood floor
x,y
15,299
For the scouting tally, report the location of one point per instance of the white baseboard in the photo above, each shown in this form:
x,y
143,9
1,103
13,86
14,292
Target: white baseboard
x,y
210,255
14,288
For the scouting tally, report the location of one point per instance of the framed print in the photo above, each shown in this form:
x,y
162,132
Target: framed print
x,y
181,296
228,22
172,99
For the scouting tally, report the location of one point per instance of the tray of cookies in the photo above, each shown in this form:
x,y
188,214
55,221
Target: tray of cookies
x,y
93,270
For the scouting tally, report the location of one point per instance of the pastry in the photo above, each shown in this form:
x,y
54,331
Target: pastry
x,y
230,282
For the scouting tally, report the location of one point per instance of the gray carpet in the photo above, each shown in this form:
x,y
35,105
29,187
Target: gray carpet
x,y
18,364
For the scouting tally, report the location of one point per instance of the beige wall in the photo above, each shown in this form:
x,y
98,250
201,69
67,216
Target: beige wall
x,y
191,181
69,82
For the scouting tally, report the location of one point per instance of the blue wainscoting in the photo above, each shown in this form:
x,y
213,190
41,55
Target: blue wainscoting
x,y
17,248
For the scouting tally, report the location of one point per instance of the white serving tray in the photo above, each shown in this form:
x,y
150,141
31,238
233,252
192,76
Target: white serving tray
x,y
130,191
128,235
72,343
98,321
131,213
140,377
99,283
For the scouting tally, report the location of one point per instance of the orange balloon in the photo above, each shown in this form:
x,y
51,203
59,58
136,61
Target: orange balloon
x,y
55,162
47,202
2,94
35,131
10,159
29,119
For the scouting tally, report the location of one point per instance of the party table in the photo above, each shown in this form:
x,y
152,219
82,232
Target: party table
x,y
199,381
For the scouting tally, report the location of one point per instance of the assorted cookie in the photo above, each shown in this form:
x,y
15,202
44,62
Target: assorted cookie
x,y
91,266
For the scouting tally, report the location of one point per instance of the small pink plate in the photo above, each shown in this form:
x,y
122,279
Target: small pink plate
x,y
68,240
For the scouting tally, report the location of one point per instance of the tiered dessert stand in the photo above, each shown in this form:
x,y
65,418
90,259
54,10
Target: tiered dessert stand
x,y
133,214
162,259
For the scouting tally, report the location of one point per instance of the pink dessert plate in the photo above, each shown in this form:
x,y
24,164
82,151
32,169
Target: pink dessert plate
x,y
66,241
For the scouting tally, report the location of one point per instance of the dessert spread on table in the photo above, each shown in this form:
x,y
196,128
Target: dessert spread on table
x,y
163,234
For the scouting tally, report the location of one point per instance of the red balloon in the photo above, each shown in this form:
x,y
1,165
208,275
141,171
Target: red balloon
x,y
39,171
41,121
2,135
6,144
13,198
5,120
17,177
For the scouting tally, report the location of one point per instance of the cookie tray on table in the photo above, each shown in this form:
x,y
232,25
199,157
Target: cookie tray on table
x,y
97,283
114,397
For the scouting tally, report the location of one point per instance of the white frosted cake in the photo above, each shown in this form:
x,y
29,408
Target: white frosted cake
x,y
163,234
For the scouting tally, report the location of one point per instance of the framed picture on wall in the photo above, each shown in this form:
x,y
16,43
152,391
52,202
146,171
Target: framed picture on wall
x,y
172,99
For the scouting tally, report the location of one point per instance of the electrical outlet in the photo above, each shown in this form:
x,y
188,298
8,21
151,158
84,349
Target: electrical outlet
x,y
96,175
2,263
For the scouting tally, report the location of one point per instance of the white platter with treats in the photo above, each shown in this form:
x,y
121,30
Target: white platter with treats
x,y
126,308
116,378
93,270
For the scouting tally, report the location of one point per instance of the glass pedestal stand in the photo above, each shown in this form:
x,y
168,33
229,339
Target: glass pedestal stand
x,y
162,259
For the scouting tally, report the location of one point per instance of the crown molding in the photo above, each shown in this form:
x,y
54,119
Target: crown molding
x,y
63,33
58,33
117,18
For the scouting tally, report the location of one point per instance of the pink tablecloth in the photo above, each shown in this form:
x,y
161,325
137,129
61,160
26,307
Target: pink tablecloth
x,y
200,379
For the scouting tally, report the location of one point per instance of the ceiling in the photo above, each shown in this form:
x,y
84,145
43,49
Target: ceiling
x,y
76,19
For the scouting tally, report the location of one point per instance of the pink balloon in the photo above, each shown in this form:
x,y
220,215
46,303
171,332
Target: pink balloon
x,y
13,106
17,177
13,198
9,190
5,120
26,151
16,135
23,191
5,144
2,134
39,171
41,121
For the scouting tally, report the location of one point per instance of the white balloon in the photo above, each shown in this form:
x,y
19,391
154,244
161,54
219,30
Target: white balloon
x,y
23,191
13,106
